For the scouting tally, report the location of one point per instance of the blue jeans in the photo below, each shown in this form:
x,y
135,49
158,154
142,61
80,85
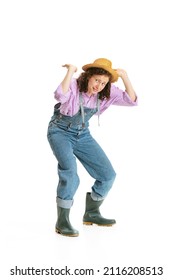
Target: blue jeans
x,y
70,140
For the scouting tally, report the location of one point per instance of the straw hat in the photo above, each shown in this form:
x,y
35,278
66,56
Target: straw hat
x,y
104,64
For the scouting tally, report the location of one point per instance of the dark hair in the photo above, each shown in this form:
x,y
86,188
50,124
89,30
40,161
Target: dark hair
x,y
84,77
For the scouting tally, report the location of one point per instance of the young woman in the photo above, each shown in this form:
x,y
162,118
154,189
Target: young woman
x,y
70,139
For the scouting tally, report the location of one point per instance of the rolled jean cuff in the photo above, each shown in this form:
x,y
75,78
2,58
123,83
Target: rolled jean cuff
x,y
64,203
96,197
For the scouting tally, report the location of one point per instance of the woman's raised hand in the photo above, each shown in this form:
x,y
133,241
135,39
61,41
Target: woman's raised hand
x,y
70,67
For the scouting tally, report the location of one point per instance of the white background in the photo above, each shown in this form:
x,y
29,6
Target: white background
x,y
37,37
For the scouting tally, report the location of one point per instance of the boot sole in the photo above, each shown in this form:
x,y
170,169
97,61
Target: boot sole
x,y
69,235
102,225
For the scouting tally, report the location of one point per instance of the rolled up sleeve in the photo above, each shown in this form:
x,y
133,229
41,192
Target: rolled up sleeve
x,y
65,97
117,97
120,97
60,96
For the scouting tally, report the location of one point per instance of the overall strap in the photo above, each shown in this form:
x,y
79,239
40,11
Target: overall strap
x,y
98,109
82,109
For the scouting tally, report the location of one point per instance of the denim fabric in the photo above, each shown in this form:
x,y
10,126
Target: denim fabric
x,y
70,140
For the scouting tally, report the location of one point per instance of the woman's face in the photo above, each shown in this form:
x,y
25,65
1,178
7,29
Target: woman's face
x,y
97,83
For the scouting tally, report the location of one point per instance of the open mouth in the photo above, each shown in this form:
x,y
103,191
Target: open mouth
x,y
95,89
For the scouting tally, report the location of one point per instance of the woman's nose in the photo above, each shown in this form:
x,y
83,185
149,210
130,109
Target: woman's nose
x,y
100,86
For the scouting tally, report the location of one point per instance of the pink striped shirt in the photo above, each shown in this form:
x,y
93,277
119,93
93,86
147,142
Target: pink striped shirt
x,y
70,102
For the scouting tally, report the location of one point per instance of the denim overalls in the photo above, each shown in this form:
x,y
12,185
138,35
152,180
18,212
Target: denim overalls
x,y
70,138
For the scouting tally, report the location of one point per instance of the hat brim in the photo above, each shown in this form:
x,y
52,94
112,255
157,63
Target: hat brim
x,y
113,72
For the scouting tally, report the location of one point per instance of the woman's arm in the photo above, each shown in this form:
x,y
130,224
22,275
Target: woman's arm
x,y
71,69
127,83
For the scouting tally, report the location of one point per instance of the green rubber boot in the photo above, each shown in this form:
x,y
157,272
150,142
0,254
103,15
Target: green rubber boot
x,y
92,213
63,225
